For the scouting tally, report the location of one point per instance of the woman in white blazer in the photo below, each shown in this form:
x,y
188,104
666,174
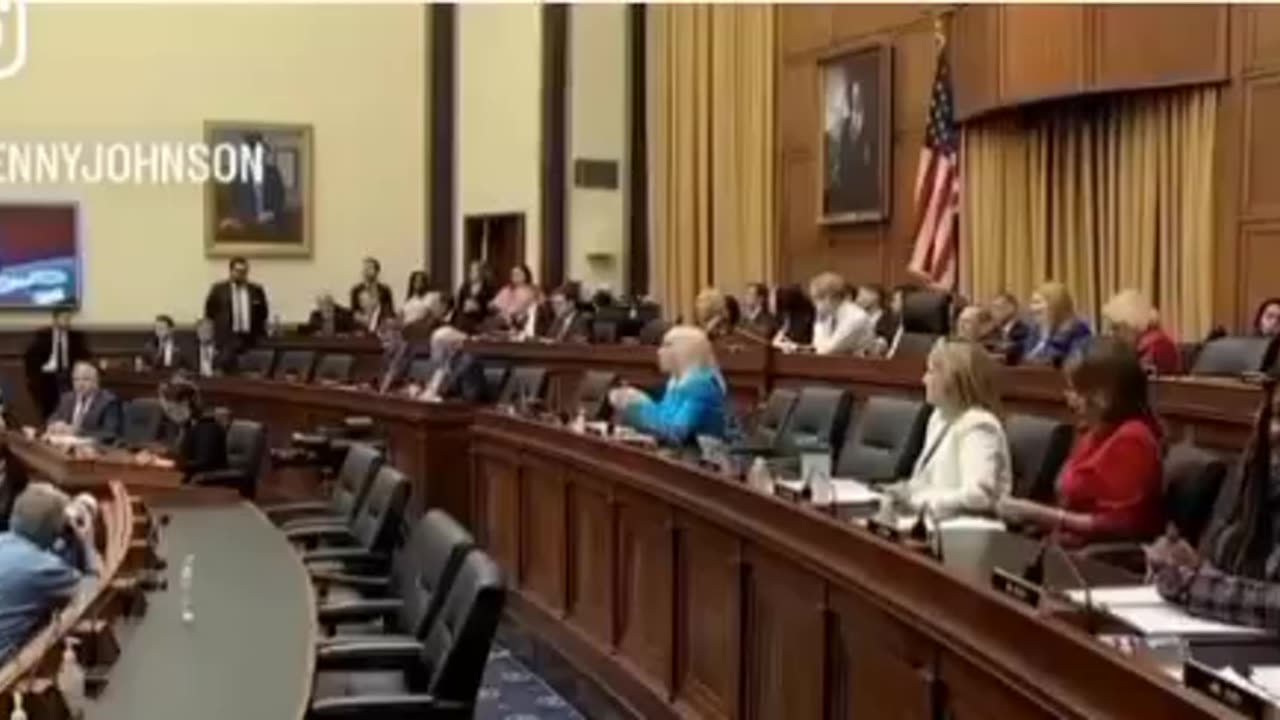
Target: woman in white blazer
x,y
964,465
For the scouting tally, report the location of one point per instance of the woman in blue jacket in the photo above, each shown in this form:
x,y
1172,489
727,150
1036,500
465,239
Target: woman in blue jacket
x,y
1058,331
694,401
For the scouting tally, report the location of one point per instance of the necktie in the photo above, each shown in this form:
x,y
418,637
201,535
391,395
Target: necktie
x,y
59,350
82,404
206,359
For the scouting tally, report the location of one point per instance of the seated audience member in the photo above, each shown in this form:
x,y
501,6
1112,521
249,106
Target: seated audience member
x,y
871,299
711,313
1266,321
87,410
329,318
1057,331
457,374
36,553
973,324
1009,337
13,480
756,318
840,326
568,322
369,314
794,314
207,358
965,465
694,402
49,357
1110,487
200,442
1238,580
1131,318
471,304
517,297
397,355
369,272
161,351
416,303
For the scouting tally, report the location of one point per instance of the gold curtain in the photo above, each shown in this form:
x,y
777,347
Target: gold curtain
x,y
710,104
1112,194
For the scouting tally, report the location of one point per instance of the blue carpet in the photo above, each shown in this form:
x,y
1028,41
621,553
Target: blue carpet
x,y
510,691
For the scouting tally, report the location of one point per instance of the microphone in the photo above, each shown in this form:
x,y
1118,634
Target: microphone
x,y
1034,572
1090,612
920,531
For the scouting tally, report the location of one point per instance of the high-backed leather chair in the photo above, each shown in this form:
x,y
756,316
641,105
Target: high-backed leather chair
x,y
143,422
926,311
1038,446
246,450
1234,355
420,370
373,529
592,396
295,365
914,344
526,385
884,439
255,363
335,369
818,418
1193,479
452,659
773,419
495,376
350,487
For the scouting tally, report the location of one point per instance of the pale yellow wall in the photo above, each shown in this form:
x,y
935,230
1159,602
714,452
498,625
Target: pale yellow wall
x,y
499,121
598,130
354,72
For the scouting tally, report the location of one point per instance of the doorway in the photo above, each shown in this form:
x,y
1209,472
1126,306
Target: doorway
x,y
496,239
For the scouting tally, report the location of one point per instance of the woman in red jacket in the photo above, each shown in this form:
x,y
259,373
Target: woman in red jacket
x,y
1131,317
1110,487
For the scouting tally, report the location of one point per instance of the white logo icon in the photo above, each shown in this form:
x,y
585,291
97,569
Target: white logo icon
x,y
13,37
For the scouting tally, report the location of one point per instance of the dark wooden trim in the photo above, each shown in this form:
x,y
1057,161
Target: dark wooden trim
x,y
555,133
638,154
441,107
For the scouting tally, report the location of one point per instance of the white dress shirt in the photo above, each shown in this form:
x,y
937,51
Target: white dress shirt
x,y
240,322
414,309
964,466
206,359
82,406
57,351
847,331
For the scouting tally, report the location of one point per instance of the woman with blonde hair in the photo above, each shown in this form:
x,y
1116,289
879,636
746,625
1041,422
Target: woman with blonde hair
x,y
695,398
711,313
840,326
1057,331
965,467
1131,318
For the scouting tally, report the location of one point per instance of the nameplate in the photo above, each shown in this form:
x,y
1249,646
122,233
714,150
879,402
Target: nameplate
x,y
884,530
1016,587
1244,700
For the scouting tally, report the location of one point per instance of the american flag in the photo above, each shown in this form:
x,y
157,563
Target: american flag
x,y
935,255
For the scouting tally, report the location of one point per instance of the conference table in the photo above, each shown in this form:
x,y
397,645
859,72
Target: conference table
x,y
688,594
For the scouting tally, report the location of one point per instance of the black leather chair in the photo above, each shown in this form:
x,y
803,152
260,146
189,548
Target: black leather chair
x,y
372,531
255,363
653,332
912,344
295,365
1038,446
143,422
437,679
927,311
773,419
335,369
884,440
604,332
246,450
592,396
350,488
1235,355
495,376
818,418
525,385
1193,479
420,370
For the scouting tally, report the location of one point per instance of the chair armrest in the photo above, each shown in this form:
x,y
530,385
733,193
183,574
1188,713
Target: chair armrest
x,y
358,611
312,521
329,534
335,641
325,579
1127,555
389,707
216,477
368,654
282,512
349,556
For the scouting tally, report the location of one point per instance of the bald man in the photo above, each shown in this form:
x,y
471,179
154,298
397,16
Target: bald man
x,y
88,410
695,399
456,374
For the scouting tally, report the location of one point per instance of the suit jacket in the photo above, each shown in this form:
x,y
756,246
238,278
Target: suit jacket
x,y
154,357
343,322
574,326
200,446
763,325
384,297
696,405
222,358
217,307
1010,341
964,466
41,345
103,420
464,380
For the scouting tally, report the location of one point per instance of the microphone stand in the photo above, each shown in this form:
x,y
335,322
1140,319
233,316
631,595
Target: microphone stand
x,y
921,536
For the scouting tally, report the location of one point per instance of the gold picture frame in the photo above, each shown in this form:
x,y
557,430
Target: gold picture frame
x,y
270,214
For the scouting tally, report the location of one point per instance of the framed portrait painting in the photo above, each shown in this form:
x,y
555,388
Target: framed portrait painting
x,y
264,208
856,115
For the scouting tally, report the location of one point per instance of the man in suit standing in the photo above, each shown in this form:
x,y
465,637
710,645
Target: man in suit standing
x,y
237,307
161,351
369,281
87,410
207,357
568,322
49,357
756,318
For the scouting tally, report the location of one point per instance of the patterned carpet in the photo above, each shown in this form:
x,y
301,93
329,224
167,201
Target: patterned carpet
x,y
512,692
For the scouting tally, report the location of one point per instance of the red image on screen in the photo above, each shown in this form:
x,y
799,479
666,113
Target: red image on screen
x,y
38,254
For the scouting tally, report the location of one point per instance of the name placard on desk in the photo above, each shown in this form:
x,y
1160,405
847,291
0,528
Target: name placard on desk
x,y
1016,587
1245,700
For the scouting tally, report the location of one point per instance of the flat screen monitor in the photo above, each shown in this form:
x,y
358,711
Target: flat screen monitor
x,y
39,254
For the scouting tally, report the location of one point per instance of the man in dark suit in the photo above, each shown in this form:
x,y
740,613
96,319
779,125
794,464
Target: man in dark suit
x,y
257,203
87,410
458,375
161,351
49,357
237,307
568,322
329,318
756,318
369,281
1009,331
207,357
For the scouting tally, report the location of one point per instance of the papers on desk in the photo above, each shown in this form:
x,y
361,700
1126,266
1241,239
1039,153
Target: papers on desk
x,y
1141,607
960,522
853,492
